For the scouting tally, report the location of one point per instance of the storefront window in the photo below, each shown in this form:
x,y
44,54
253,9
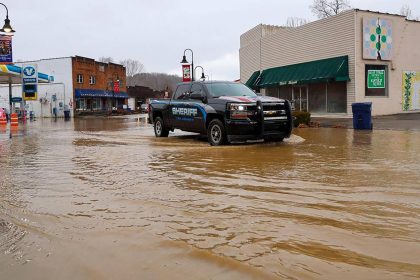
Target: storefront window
x,y
317,98
283,92
81,104
376,80
337,97
96,104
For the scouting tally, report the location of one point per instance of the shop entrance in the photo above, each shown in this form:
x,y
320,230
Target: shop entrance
x,y
300,98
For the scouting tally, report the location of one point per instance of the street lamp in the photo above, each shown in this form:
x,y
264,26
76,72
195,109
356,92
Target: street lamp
x,y
203,77
185,61
7,28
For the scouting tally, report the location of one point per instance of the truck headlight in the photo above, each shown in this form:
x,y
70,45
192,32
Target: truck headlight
x,y
238,111
237,107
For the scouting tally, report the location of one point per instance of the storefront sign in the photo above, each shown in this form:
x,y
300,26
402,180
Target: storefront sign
x,y
411,90
6,49
16,99
186,73
30,92
30,74
377,38
376,79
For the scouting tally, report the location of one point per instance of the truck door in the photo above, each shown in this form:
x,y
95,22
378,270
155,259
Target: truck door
x,y
178,108
198,111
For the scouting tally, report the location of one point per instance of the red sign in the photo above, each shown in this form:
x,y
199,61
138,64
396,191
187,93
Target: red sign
x,y
186,73
117,86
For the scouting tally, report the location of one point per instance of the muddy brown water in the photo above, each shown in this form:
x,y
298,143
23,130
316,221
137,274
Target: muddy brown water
x,y
105,199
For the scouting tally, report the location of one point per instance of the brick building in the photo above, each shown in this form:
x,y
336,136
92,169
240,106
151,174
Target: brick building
x,y
98,86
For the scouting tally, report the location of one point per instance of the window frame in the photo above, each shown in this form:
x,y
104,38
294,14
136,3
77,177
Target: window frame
x,y
374,91
92,80
79,78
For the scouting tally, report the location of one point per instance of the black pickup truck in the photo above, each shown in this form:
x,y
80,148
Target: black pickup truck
x,y
224,111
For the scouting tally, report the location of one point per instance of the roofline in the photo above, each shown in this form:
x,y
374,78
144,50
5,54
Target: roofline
x,y
378,12
42,59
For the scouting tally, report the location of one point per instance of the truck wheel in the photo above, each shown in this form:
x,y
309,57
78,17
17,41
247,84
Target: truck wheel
x,y
160,130
216,133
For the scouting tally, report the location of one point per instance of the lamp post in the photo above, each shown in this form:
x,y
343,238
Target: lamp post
x,y
8,29
203,77
185,61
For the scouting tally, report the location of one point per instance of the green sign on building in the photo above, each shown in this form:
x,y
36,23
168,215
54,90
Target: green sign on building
x,y
376,79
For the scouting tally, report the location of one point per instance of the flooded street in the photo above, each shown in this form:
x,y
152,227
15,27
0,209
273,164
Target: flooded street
x,y
105,199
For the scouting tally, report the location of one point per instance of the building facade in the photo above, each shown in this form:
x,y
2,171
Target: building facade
x,y
326,65
98,87
141,95
81,85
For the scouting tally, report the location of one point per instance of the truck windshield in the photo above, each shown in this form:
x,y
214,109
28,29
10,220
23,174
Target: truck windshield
x,y
229,89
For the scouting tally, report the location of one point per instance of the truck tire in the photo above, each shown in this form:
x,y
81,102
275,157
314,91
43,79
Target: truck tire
x,y
159,127
216,133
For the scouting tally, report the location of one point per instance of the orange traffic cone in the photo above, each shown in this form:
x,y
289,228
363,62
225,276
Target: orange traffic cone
x,y
3,121
14,119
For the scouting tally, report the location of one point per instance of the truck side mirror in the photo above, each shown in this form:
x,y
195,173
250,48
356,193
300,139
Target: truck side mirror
x,y
198,96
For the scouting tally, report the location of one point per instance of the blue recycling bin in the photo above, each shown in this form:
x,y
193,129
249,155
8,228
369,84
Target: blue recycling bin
x,y
362,115
67,115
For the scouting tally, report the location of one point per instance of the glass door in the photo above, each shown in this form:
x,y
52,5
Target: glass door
x,y
300,98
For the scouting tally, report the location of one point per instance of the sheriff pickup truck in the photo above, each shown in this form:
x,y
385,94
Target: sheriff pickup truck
x,y
225,112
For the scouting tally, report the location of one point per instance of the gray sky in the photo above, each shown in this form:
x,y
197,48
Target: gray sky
x,y
156,32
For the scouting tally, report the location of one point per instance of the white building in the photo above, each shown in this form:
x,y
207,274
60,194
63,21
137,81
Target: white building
x,y
52,97
326,65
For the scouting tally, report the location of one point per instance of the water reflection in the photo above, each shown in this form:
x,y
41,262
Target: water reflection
x,y
328,203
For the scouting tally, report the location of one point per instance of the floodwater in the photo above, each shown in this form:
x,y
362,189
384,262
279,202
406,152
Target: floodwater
x,y
105,199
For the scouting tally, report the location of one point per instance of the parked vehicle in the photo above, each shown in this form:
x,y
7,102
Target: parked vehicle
x,y
144,108
224,111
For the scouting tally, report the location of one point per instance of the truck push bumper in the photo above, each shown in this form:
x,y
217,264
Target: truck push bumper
x,y
238,131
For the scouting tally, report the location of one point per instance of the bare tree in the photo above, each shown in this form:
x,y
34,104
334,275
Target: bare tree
x,y
155,81
327,8
296,22
132,67
106,59
406,11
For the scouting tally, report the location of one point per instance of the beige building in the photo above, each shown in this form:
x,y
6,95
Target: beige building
x,y
326,65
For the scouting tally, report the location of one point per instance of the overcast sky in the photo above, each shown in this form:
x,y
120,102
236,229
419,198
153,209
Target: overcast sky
x,y
156,32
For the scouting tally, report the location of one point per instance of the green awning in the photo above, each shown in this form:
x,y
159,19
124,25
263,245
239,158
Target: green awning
x,y
325,70
251,81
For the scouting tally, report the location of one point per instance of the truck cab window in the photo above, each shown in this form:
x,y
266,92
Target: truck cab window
x,y
196,88
182,91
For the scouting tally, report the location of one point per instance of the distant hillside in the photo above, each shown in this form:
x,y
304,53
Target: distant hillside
x,y
155,81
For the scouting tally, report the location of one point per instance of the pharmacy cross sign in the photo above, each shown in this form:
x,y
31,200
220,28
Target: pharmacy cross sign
x,y
376,79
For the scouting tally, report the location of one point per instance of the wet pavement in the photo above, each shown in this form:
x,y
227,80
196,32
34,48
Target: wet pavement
x,y
105,199
400,122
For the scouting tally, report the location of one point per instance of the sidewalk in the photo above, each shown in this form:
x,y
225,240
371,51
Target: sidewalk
x,y
392,122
